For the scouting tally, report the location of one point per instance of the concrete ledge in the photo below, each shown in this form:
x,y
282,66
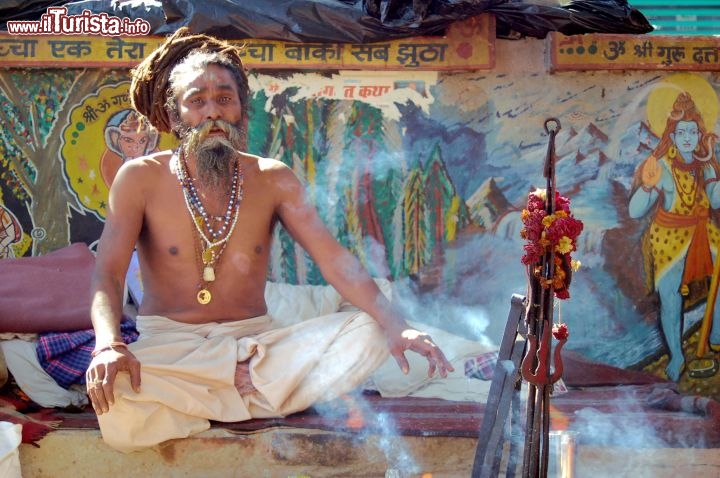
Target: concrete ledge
x,y
276,452
619,437
289,452
616,462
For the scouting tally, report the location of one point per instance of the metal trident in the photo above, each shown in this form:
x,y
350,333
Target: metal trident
x,y
535,368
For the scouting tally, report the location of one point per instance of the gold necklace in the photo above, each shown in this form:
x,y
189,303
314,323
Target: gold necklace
x,y
687,196
207,264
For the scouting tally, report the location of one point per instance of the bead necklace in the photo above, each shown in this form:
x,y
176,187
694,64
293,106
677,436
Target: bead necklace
x,y
209,255
198,205
192,199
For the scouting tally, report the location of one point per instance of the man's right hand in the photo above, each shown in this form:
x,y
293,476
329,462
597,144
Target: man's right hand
x,y
101,374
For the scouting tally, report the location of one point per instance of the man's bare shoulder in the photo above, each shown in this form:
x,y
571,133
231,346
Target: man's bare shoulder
x,y
143,173
274,178
161,158
271,171
149,164
261,164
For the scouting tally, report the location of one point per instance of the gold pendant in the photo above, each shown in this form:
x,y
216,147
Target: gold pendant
x,y
207,255
208,274
204,296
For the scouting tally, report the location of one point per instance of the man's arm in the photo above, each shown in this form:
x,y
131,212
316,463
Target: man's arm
x,y
122,226
345,273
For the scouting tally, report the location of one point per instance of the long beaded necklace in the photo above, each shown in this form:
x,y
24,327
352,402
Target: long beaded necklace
x,y
209,247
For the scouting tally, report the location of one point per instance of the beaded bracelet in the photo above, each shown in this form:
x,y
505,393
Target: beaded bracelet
x,y
111,346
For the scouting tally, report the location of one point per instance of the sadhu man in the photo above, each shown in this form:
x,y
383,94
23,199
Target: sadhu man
x,y
202,218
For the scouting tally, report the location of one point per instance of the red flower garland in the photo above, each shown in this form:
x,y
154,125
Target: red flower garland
x,y
556,233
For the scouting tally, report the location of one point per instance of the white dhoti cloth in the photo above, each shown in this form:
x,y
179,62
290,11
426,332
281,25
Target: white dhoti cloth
x,y
188,373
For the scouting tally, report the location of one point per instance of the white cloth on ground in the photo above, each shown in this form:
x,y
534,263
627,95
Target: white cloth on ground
x,y
188,373
10,438
22,362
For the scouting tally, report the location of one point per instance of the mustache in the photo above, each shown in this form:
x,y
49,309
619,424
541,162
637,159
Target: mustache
x,y
196,136
204,128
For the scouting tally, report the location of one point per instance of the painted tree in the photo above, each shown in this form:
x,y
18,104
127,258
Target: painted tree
x,y
352,223
414,223
32,163
447,212
333,178
292,140
380,173
432,212
351,157
270,142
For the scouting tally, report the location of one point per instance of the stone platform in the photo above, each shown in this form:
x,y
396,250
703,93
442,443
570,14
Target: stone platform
x,y
403,437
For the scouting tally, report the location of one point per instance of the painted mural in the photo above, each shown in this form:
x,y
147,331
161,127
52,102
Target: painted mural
x,y
103,132
423,175
678,187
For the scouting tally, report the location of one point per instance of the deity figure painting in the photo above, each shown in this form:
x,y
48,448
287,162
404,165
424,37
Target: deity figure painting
x,y
127,136
677,187
10,232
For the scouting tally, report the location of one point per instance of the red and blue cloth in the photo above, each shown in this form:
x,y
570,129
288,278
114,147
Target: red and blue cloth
x,y
65,356
481,366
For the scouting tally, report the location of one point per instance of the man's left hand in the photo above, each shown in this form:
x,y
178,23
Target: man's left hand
x,y
421,343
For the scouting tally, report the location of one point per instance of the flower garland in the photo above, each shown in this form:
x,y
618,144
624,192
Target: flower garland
x,y
556,233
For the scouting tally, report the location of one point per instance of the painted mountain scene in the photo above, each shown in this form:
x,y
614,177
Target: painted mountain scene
x,y
427,181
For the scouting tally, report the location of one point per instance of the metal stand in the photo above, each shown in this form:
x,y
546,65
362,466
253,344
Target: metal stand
x,y
531,359
504,401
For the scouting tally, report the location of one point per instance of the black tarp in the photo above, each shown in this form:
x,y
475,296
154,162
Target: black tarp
x,y
351,21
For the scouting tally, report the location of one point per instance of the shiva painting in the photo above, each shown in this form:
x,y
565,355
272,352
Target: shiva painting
x,y
677,187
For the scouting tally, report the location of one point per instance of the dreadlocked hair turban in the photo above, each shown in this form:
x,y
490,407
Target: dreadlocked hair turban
x,y
151,78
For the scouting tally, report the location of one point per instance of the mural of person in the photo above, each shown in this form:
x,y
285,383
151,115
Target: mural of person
x,y
10,232
678,184
127,137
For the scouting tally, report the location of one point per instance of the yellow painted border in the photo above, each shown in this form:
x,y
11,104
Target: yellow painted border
x,y
633,52
468,45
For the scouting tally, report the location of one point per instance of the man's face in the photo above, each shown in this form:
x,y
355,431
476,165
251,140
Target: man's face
x,y
211,93
210,124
